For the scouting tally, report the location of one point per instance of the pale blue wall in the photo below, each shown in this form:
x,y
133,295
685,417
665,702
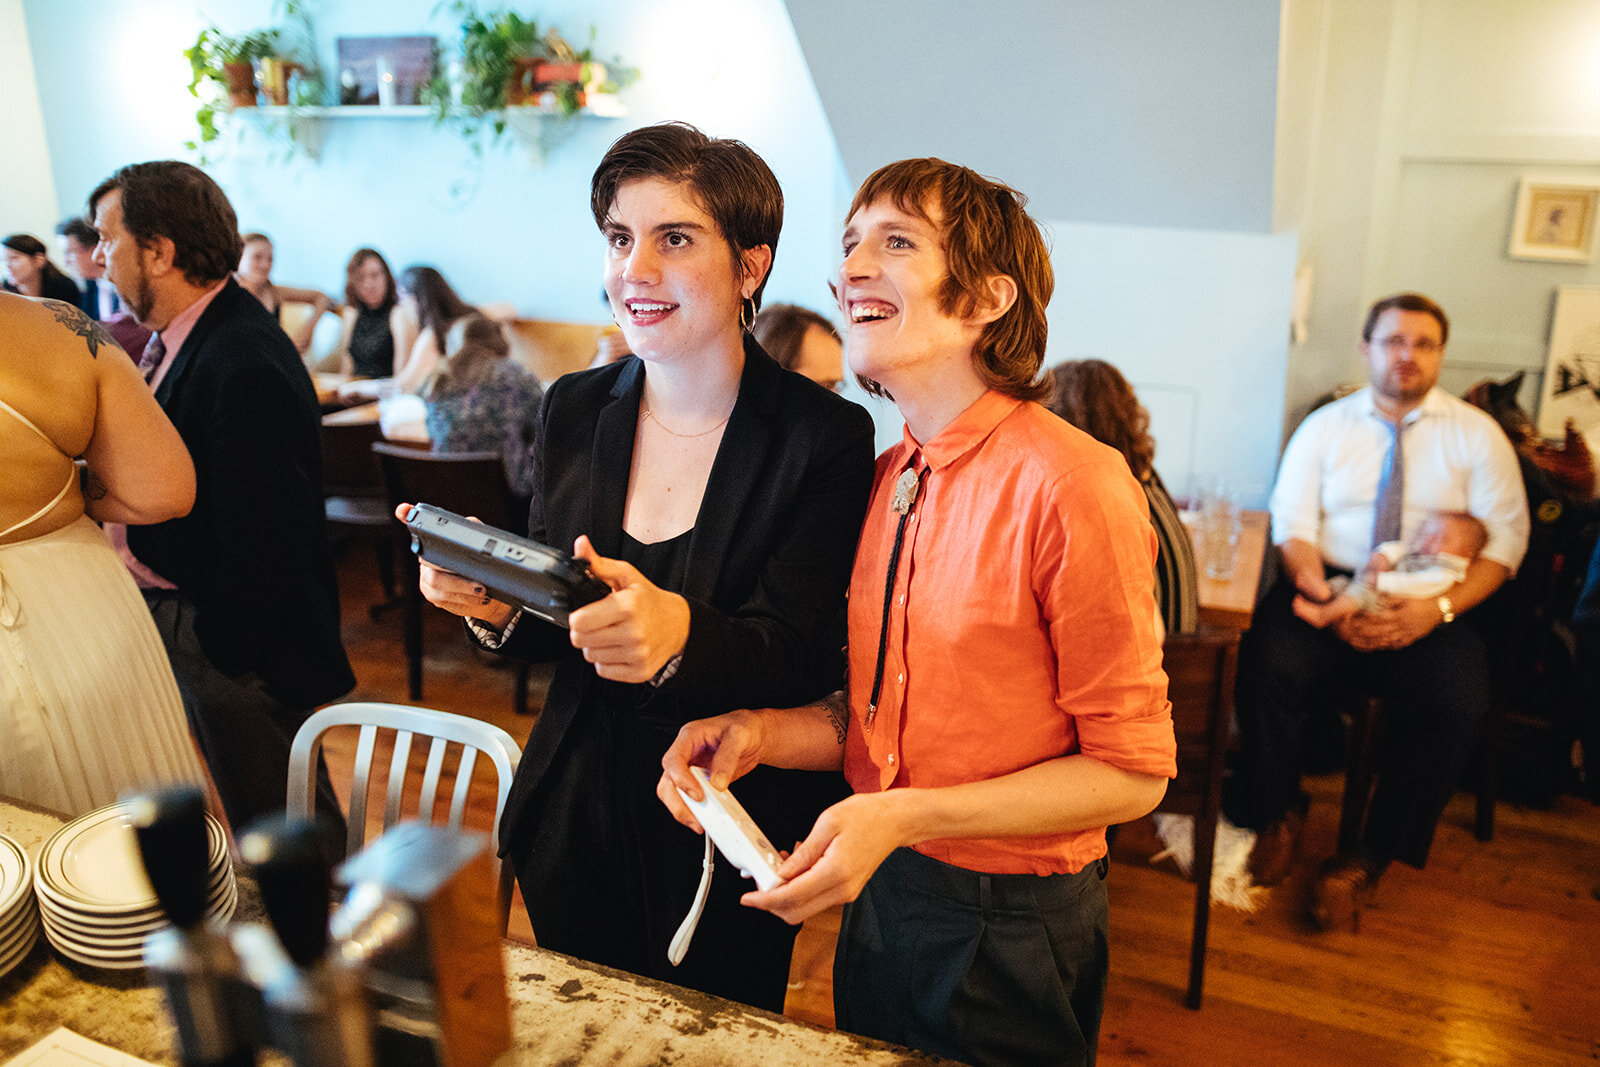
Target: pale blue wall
x,y
112,89
1195,317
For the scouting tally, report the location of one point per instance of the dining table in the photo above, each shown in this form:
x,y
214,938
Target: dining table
x,y
1229,602
563,1009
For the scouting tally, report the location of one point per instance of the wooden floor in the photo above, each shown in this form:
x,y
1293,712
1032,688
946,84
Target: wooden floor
x,y
1490,956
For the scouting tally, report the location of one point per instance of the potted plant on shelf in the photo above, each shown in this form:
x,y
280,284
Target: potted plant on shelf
x,y
223,69
506,62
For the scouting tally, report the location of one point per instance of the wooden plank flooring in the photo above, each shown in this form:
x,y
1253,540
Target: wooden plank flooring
x,y
1490,956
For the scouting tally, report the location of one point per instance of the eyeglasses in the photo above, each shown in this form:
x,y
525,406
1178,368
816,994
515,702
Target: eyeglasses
x,y
1396,344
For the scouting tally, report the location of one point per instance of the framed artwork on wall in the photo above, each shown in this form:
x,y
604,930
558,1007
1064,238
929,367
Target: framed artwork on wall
x,y
384,71
1572,374
1555,220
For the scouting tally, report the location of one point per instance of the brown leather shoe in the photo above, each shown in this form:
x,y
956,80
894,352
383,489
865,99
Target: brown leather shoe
x,y
1343,886
1274,849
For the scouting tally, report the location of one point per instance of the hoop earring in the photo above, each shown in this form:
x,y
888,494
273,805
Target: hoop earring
x,y
750,324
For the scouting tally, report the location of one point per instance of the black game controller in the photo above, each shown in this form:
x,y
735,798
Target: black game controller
x,y
514,570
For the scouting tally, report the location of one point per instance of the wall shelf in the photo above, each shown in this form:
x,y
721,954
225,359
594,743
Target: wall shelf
x,y
535,127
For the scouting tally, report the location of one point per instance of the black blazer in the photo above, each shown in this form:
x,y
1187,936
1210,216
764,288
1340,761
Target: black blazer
x,y
253,554
769,559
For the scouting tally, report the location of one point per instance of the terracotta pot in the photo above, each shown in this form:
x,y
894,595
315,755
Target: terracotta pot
x,y
547,73
241,84
522,89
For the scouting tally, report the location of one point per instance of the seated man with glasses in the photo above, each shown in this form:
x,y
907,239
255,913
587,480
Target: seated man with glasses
x,y
1371,468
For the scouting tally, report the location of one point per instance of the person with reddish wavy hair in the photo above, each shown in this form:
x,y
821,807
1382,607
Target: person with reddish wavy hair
x,y
1095,397
1005,700
985,233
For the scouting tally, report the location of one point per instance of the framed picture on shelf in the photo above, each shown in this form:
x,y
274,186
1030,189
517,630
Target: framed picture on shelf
x,y
384,71
1555,220
1572,375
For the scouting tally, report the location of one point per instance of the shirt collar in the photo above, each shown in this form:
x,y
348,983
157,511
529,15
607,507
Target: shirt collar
x,y
182,323
1433,403
965,432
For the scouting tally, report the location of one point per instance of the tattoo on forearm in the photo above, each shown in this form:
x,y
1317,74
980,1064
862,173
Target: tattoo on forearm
x,y
93,487
838,714
93,334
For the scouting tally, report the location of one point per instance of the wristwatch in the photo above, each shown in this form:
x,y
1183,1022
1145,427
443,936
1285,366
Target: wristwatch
x,y
1447,610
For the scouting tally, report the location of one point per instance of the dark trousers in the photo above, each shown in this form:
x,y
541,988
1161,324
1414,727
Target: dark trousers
x,y
244,734
1436,693
983,968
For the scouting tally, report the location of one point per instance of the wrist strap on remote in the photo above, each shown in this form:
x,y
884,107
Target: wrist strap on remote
x,y
680,940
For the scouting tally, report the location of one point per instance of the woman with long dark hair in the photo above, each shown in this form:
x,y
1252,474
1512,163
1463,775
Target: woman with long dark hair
x,y
720,497
30,272
429,302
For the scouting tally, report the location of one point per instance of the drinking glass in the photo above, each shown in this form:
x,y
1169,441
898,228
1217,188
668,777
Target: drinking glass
x,y
1219,531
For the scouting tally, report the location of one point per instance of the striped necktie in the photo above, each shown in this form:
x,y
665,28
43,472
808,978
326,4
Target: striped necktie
x,y
1389,506
154,350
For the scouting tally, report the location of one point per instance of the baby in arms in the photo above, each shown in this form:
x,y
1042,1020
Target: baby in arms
x,y
1434,561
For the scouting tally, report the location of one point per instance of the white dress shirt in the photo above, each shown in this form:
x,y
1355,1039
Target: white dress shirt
x,y
1456,459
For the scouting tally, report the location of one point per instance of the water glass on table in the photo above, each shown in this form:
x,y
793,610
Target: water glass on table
x,y
1219,532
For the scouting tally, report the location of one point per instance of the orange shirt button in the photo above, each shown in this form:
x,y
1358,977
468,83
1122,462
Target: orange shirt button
x,y
891,757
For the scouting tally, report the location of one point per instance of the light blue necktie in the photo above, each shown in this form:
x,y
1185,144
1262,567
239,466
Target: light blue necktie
x,y
1390,503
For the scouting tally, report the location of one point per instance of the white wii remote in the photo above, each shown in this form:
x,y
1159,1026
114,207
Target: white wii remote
x,y
735,833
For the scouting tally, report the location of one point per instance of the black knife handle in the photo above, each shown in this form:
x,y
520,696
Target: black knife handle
x,y
285,856
170,825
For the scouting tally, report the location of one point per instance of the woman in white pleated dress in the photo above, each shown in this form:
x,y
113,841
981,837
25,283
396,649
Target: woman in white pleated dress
x,y
88,704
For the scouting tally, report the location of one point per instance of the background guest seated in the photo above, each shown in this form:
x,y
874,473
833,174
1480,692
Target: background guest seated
x,y
1095,397
802,341
75,239
373,327
478,400
430,307
255,274
30,272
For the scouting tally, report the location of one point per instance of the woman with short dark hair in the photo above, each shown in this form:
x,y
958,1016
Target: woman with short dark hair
x,y
720,497
30,272
802,341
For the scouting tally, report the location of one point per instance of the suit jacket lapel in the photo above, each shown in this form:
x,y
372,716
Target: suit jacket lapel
x,y
612,459
214,313
740,459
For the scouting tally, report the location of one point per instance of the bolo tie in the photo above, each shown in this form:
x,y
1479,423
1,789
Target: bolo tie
x,y
906,489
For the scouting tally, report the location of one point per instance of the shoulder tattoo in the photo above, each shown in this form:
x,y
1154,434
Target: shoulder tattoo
x,y
93,334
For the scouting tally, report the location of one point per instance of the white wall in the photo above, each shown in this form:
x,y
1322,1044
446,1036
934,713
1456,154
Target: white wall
x,y
1430,113
1197,321
27,194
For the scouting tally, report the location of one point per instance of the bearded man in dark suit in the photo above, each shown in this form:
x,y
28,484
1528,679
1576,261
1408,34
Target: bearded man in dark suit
x,y
242,588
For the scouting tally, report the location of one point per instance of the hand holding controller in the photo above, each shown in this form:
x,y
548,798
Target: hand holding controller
x,y
735,833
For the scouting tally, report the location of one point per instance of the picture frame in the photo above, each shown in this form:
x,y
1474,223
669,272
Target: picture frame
x,y
1571,386
1555,219
384,71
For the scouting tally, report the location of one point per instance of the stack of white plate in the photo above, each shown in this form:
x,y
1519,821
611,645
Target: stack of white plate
x,y
94,898
19,912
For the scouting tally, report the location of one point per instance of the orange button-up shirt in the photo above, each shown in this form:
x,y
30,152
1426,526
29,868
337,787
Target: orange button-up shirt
x,y
1021,622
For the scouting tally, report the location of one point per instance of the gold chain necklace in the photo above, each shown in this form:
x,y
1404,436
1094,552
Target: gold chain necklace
x,y
646,413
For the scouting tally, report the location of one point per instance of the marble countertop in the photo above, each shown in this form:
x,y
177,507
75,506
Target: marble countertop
x,y
563,1009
